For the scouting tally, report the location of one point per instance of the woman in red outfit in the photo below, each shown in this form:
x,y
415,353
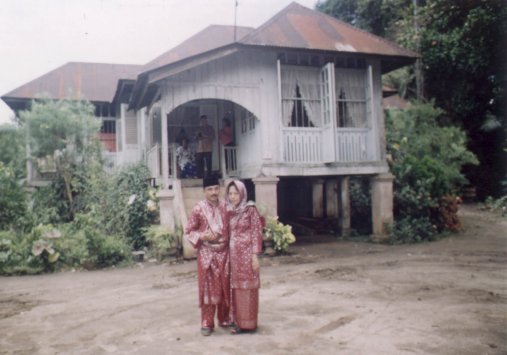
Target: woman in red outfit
x,y
245,228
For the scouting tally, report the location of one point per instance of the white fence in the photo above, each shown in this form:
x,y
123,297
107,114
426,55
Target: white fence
x,y
154,161
229,161
305,145
302,145
352,144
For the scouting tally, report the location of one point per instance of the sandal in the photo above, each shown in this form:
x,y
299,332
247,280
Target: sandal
x,y
235,329
206,331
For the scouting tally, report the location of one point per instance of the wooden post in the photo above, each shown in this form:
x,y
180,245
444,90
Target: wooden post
x,y
345,206
332,206
318,198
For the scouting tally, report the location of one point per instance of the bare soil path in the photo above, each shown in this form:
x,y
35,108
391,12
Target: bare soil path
x,y
331,297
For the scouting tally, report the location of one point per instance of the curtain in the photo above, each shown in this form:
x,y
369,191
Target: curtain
x,y
351,93
289,82
308,81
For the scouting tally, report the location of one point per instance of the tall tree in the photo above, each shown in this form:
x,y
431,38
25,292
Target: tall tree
x,y
64,133
462,44
375,16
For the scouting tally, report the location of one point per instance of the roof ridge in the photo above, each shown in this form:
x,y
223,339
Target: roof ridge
x,y
369,34
269,21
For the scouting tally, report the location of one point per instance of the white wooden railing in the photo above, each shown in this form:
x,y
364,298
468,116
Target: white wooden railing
x,y
153,160
305,145
229,162
302,145
352,144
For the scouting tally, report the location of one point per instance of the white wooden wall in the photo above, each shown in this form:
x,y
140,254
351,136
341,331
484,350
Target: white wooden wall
x,y
247,79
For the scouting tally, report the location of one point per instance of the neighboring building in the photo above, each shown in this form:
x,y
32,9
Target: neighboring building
x,y
304,95
95,82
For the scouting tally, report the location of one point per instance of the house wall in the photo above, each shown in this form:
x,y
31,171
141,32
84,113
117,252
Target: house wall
x,y
129,148
255,89
250,79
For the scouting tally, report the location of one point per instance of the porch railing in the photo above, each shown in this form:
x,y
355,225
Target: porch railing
x,y
352,144
154,161
229,161
302,145
305,145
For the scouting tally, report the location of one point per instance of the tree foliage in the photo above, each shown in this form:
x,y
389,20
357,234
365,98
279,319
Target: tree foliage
x,y
462,44
426,160
65,133
377,17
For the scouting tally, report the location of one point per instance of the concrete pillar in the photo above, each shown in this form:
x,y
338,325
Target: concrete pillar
x,y
166,198
345,205
332,206
318,198
381,205
265,194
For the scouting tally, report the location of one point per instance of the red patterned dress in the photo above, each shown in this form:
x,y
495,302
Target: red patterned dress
x,y
212,261
245,230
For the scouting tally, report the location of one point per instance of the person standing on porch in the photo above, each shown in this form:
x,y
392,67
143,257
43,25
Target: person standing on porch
x,y
225,137
205,136
207,231
245,232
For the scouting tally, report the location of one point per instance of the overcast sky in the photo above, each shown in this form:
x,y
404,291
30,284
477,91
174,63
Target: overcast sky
x,y
37,36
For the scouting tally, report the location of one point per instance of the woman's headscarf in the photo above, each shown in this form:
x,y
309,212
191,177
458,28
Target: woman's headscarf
x,y
242,194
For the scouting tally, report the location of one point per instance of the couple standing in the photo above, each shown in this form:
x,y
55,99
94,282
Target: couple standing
x,y
228,239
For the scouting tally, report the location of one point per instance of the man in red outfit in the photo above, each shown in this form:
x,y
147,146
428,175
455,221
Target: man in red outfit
x,y
207,232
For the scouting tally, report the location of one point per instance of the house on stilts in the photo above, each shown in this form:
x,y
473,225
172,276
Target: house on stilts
x,y
304,95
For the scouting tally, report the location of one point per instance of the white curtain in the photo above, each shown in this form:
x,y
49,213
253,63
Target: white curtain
x,y
351,94
289,82
308,81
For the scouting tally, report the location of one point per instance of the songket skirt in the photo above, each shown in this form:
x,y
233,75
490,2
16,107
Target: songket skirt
x,y
245,307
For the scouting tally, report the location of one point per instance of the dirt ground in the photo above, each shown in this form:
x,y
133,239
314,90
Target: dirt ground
x,y
328,297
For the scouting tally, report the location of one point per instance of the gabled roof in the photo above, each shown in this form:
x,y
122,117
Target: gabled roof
x,y
299,27
294,27
92,81
211,37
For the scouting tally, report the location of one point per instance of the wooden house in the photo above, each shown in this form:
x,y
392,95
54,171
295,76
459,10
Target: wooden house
x,y
304,95
95,82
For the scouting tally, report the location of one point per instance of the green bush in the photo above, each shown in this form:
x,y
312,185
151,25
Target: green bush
x,y
121,203
412,230
161,241
498,206
103,249
426,160
12,198
281,234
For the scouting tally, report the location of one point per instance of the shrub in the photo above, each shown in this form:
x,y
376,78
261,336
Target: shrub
x,y
426,160
103,249
12,198
121,203
161,240
281,234
496,205
412,230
